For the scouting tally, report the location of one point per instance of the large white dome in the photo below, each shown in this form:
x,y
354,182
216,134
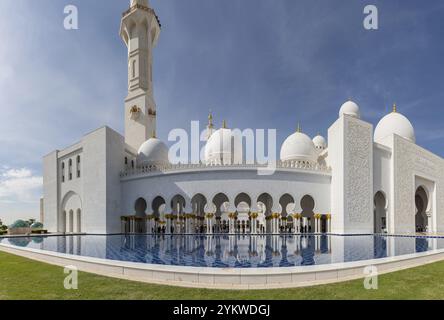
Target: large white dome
x,y
299,147
320,143
223,147
350,108
394,123
152,152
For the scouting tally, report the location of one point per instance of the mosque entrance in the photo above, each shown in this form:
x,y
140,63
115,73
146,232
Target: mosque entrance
x,y
380,213
140,207
307,205
421,218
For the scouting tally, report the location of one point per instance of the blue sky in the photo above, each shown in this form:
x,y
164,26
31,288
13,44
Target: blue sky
x,y
255,63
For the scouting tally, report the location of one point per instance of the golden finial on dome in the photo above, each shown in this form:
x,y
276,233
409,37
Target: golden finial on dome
x,y
210,120
299,129
224,124
394,108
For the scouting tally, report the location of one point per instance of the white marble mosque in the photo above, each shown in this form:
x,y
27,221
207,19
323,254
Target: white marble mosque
x,y
358,179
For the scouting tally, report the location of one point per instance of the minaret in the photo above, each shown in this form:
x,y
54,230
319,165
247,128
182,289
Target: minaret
x,y
140,29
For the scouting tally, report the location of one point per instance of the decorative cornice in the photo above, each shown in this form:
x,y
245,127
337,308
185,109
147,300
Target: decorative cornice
x,y
280,165
147,9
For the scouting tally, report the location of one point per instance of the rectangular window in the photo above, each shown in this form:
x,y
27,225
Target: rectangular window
x,y
70,169
134,68
78,166
63,172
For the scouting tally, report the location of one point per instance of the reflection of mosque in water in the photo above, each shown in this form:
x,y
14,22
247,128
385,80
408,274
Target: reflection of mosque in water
x,y
232,250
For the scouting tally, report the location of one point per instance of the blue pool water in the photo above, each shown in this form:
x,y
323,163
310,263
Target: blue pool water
x,y
231,251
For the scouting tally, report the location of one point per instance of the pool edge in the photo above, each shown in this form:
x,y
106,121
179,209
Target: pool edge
x,y
228,278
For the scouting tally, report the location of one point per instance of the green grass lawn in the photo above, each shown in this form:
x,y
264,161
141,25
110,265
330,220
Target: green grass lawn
x,y
21,278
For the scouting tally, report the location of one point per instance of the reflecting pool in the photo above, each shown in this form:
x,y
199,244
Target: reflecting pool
x,y
238,251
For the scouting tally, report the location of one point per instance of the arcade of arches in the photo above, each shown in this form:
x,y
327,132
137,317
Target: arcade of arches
x,y
243,215
70,220
423,211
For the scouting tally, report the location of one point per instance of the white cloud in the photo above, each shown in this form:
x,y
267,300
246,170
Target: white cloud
x,y
17,173
20,186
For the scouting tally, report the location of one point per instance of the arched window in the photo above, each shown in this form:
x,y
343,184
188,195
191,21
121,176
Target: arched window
x,y
63,171
132,164
70,169
126,161
78,166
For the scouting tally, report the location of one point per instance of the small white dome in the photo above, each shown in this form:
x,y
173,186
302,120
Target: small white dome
x,y
223,148
350,108
299,147
394,123
152,152
320,142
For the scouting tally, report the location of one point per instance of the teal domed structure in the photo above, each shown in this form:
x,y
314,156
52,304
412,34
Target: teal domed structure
x,y
37,226
19,224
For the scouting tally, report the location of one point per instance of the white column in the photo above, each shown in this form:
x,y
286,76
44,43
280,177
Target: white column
x,y
74,221
276,225
176,224
231,228
168,225
190,225
208,223
429,222
315,225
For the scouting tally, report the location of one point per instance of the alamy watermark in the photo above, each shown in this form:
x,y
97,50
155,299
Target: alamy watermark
x,y
371,21
71,281
371,278
231,146
71,21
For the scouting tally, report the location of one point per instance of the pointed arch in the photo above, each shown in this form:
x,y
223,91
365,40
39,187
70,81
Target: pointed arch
x,y
157,204
140,207
267,200
71,203
198,202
